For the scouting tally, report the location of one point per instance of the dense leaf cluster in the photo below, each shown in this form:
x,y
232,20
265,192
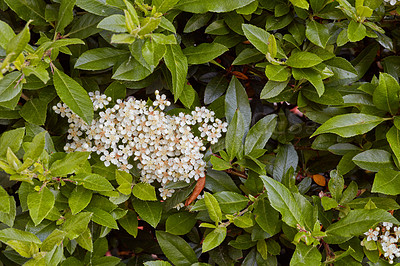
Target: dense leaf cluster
x,y
309,163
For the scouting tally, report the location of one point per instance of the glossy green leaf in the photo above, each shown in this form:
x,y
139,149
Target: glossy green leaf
x,y
386,181
10,86
198,6
257,36
149,211
374,160
144,191
203,53
130,223
214,239
102,217
177,64
98,7
386,95
99,58
34,111
231,202
40,204
303,60
317,33
29,9
19,235
74,95
356,31
69,164
213,207
65,15
114,23
236,99
77,224
356,223
176,249
79,199
283,201
6,34
349,125
180,223
234,135
306,255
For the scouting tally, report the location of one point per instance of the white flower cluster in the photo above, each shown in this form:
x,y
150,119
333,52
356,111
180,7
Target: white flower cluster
x,y
388,236
392,2
165,145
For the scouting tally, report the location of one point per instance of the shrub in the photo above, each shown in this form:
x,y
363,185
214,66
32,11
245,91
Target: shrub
x,y
257,132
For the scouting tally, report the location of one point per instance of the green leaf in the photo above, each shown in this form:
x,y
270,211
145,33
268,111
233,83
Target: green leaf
x,y
220,181
99,58
283,201
98,7
85,240
116,90
9,218
386,95
198,6
273,89
393,137
180,223
277,72
219,164
85,26
69,163
267,217
73,95
149,211
10,86
18,43
164,5
231,202
356,223
317,33
34,111
114,23
257,36
236,99
285,159
163,39
260,133
177,64
5,200
349,125
303,60
356,31
29,9
102,217
188,96
203,53
313,76
387,182
36,147
65,15
79,199
131,70
213,207
144,191
374,160
54,239
214,239
15,234
248,55
306,255
176,249
6,34
11,139
95,182
40,204
234,136
130,223
77,224
244,221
